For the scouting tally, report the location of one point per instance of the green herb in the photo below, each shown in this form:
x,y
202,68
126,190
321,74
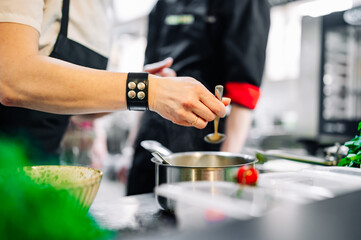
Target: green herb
x,y
32,211
353,157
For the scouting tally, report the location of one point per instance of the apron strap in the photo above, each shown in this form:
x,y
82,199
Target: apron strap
x,y
65,18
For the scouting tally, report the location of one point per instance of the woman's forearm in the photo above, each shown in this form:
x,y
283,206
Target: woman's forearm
x,y
38,82
51,85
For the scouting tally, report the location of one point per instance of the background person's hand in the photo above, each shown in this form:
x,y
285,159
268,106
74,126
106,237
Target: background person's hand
x,y
184,101
161,68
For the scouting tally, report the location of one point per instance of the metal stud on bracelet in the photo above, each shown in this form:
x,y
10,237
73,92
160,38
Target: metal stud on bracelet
x,y
137,91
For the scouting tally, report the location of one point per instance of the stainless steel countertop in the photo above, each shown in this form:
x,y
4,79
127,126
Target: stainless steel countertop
x,y
133,215
138,217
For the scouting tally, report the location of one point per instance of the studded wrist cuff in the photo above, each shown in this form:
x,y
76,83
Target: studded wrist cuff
x,y
137,91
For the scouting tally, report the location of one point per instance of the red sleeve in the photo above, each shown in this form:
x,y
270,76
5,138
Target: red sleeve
x,y
244,94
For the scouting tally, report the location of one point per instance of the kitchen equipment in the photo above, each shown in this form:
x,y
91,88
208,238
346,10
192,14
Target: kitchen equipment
x,y
340,170
340,88
81,182
218,202
326,184
216,137
195,166
212,203
198,166
264,156
160,158
154,146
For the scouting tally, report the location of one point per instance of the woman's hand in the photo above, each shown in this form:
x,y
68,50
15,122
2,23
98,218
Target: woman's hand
x,y
184,101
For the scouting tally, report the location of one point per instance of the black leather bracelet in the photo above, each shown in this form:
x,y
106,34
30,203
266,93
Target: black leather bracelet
x,y
137,91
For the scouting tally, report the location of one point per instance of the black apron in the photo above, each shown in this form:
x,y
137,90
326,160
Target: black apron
x,y
41,131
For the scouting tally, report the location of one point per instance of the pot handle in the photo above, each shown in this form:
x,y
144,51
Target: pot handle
x,y
154,146
159,158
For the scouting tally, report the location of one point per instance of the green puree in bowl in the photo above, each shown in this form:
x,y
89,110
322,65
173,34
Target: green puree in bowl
x,y
30,210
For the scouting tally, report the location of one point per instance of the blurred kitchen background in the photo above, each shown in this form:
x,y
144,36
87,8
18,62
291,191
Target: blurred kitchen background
x,y
311,91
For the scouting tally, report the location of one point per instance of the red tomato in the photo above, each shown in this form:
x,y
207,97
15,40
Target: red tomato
x,y
247,175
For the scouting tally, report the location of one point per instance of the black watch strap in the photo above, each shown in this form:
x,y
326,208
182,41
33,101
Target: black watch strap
x,y
137,91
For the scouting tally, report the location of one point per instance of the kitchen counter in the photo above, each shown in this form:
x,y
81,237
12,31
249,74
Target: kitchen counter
x,y
133,215
139,217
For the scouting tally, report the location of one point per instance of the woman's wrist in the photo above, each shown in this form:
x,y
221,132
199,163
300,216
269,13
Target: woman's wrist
x,y
153,82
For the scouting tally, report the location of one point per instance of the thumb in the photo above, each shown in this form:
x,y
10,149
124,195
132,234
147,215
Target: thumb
x,y
156,67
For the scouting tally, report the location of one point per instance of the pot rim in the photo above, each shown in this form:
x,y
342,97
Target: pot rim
x,y
246,157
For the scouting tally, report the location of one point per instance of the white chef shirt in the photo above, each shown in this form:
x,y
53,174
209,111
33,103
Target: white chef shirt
x,y
88,22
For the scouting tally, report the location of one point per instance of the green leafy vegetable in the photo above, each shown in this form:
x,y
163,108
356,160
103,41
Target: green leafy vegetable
x,y
353,157
32,211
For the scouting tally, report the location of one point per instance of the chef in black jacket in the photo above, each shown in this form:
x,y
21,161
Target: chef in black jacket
x,y
216,42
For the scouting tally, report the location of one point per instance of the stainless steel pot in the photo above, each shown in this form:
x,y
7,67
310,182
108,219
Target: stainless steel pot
x,y
196,166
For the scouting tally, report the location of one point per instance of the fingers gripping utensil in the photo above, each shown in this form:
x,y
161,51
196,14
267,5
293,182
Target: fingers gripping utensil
x,y
216,137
